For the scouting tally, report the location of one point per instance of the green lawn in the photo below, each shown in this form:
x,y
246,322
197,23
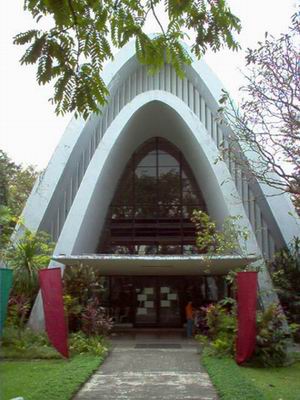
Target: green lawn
x,y
40,379
276,383
239,383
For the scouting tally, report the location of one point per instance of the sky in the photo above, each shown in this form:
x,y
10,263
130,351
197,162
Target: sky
x,y
29,128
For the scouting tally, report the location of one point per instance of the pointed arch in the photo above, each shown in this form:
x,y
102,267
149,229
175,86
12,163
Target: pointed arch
x,y
153,204
168,117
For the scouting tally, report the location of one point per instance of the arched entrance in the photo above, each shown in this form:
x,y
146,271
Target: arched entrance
x,y
150,214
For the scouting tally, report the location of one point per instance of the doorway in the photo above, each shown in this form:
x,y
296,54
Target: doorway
x,y
157,302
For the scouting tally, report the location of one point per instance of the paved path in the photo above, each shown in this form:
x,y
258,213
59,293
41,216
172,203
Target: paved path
x,y
153,373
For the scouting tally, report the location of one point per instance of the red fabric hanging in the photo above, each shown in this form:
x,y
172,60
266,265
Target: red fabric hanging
x,y
52,295
246,310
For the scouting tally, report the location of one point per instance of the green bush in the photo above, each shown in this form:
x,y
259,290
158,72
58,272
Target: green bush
x,y
271,339
24,343
221,333
79,343
285,272
221,329
23,338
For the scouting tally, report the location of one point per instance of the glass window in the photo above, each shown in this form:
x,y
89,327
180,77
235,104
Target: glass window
x,y
155,198
145,211
122,212
165,159
124,194
170,211
187,211
212,289
149,160
169,249
190,198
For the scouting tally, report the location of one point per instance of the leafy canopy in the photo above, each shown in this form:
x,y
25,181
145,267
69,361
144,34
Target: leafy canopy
x,y
266,126
212,241
26,256
73,51
16,183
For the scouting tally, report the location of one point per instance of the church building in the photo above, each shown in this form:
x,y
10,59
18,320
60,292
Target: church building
x,y
120,189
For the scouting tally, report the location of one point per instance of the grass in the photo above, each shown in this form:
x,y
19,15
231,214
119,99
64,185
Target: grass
x,y
51,379
228,380
276,383
240,383
30,353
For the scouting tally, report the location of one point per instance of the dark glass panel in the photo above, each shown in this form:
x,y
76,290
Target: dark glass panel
x,y
145,185
169,249
170,211
118,249
145,171
187,211
148,147
190,197
145,249
150,160
145,211
122,300
124,194
212,289
169,185
222,287
166,171
165,159
195,288
121,212
190,249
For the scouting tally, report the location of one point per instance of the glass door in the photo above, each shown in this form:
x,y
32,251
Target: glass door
x,y
157,302
169,308
146,301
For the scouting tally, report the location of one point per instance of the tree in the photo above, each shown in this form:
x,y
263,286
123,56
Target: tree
x,y
15,186
266,126
285,272
26,256
73,51
211,241
16,183
7,168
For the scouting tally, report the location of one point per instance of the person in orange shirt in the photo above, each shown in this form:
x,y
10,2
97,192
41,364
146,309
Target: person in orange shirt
x,y
189,313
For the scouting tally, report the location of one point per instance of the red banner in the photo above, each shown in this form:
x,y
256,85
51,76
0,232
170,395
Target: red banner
x,y
52,295
246,310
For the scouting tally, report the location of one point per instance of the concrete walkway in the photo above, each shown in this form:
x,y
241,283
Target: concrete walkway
x,y
148,368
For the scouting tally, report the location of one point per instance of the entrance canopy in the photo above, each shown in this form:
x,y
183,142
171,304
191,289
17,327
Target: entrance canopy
x,y
113,264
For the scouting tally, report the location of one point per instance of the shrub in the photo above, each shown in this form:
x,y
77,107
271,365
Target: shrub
x,y
18,310
24,343
271,339
73,311
221,330
285,272
80,343
24,338
95,320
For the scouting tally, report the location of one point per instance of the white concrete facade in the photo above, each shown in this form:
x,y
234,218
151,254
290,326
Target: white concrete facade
x,y
82,176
